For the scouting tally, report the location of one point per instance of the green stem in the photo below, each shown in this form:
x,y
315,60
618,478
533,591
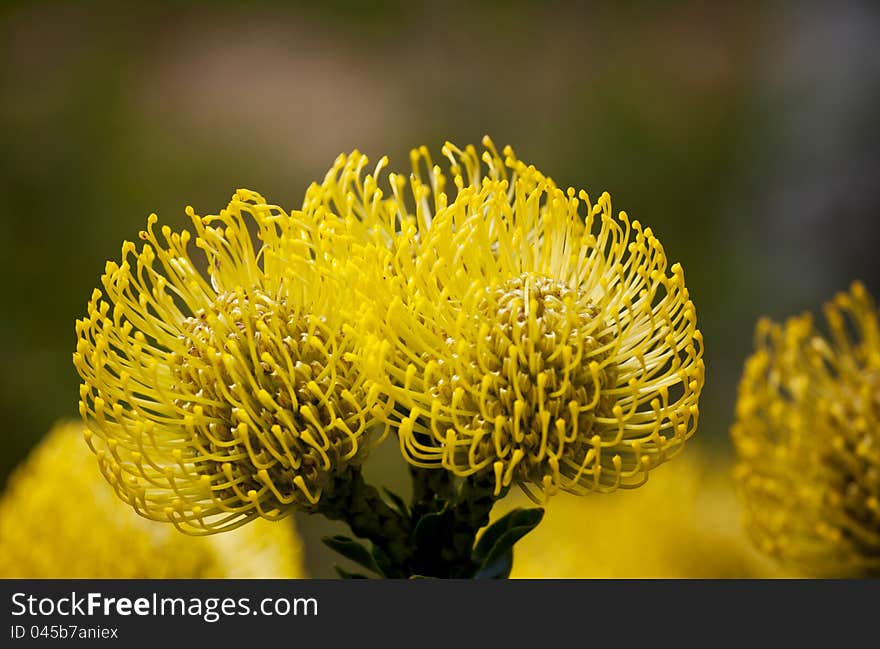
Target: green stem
x,y
446,550
471,509
432,489
352,500
436,540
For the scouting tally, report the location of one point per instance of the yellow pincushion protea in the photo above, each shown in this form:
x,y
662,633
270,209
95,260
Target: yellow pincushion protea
x,y
527,334
214,397
807,434
58,520
683,524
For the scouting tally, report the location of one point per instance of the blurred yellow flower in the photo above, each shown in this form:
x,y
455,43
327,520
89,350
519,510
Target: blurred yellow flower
x,y
683,524
58,520
526,334
807,433
215,397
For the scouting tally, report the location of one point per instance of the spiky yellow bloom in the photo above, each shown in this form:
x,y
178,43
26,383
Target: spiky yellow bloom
x,y
683,524
527,334
214,397
58,520
807,433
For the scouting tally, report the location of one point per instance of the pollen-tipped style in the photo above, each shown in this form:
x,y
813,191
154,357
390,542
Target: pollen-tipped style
x,y
220,387
526,334
807,435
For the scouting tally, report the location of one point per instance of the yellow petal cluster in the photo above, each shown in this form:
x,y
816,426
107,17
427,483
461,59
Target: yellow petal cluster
x,y
217,383
683,524
58,520
524,332
807,434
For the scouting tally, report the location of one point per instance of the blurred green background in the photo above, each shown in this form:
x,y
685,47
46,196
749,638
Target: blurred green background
x,y
744,134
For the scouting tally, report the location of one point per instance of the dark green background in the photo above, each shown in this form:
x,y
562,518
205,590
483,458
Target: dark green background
x,y
744,134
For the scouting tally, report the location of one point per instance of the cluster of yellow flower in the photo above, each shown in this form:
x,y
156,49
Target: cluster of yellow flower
x,y
507,331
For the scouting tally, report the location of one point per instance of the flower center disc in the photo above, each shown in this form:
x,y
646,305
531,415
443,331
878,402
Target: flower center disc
x,y
532,379
264,404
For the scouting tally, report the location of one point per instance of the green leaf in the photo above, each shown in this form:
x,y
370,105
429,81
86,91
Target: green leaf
x,y
381,559
351,549
431,538
345,574
495,553
517,518
497,568
397,501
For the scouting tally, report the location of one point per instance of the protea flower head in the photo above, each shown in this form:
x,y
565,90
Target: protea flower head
x,y
807,435
525,333
213,396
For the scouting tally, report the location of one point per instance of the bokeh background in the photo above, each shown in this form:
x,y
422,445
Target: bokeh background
x,y
745,134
